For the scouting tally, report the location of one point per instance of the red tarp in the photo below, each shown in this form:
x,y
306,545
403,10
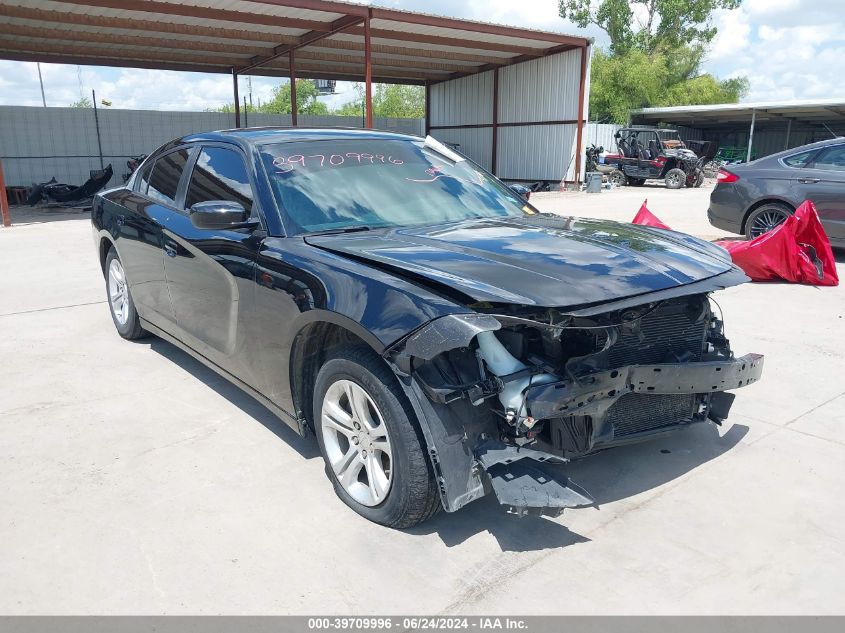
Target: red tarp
x,y
647,218
797,250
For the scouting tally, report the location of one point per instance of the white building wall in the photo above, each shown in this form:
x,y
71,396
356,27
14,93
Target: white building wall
x,y
537,112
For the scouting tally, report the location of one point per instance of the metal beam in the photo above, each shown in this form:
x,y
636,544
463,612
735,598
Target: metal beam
x,y
382,77
368,72
237,101
477,27
751,135
402,36
101,22
207,13
309,38
581,98
294,110
427,108
4,201
495,149
788,132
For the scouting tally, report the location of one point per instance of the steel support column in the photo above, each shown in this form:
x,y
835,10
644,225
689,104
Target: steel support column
x,y
293,106
495,148
368,72
237,99
788,132
585,51
751,135
4,201
427,107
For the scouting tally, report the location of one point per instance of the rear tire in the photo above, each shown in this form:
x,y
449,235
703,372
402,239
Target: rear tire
x,y
122,307
675,178
373,448
766,217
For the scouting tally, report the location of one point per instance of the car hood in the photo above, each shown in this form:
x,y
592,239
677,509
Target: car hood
x,y
539,260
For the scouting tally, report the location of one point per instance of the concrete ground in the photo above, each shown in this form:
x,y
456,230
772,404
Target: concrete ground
x,y
135,481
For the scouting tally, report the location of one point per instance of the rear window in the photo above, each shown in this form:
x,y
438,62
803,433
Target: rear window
x,y
166,175
799,160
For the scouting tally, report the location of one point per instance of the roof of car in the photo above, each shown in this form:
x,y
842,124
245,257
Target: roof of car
x,y
271,135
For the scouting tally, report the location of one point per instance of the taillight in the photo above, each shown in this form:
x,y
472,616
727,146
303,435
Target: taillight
x,y
724,176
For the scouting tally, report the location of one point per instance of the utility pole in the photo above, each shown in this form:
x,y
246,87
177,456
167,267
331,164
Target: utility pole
x,y
249,84
41,81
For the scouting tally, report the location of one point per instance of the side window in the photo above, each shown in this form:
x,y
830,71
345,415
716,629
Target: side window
x,y
219,174
167,171
143,178
799,160
831,159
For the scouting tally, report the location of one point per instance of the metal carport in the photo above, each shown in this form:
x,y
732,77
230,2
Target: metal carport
x,y
285,38
767,127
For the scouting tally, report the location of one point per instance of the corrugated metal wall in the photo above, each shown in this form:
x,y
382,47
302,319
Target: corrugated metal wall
x,y
464,101
37,144
537,113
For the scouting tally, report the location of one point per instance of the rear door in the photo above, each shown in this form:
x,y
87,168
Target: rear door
x,y
210,272
140,234
823,182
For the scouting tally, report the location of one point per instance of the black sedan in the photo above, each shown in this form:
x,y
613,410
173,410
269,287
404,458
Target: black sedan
x,y
440,337
754,198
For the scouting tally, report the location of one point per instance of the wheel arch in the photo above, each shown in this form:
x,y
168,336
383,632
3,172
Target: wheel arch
x,y
319,333
759,203
104,244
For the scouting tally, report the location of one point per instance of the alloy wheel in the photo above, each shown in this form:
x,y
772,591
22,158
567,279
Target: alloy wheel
x,y
357,442
765,222
118,292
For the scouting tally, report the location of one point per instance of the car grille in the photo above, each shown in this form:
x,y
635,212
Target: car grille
x,y
639,412
669,334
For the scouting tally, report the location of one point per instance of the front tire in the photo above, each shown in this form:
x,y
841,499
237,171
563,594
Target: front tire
x,y
122,307
371,443
675,178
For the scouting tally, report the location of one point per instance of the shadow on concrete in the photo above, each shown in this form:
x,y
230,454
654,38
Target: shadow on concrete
x,y
23,215
306,447
609,476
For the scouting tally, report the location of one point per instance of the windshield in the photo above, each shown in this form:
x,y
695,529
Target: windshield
x,y
343,184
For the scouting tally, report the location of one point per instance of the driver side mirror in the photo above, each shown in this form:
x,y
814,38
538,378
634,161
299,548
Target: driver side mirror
x,y
220,214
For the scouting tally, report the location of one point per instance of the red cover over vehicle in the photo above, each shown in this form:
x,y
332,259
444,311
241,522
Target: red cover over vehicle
x,y
797,250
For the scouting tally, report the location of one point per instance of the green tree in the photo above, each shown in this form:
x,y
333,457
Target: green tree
x,y
82,102
389,101
655,54
306,101
648,25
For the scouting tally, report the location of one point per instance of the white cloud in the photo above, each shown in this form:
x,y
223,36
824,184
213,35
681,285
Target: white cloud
x,y
787,49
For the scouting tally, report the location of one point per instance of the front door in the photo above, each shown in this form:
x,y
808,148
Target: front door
x,y
210,272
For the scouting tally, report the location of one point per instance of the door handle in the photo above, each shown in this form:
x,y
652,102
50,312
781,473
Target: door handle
x,y
170,248
808,181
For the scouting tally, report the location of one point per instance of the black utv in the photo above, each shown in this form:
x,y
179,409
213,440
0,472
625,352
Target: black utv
x,y
654,153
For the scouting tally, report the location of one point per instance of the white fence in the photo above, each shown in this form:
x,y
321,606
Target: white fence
x,y
37,144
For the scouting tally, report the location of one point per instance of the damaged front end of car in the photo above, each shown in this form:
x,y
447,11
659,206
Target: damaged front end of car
x,y
509,393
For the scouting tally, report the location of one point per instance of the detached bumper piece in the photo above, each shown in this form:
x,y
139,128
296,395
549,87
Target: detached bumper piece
x,y
530,482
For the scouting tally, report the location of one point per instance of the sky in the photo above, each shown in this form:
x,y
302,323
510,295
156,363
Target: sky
x,y
788,49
